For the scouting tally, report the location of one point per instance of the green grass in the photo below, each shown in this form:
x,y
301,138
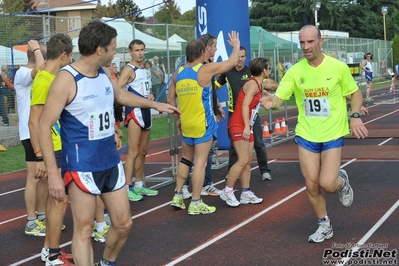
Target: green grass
x,y
14,158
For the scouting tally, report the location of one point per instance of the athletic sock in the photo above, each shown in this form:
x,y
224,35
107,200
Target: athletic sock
x,y
228,189
139,184
245,191
195,201
53,253
104,262
31,221
41,216
100,226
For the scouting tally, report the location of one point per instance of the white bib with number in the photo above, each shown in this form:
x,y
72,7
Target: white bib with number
x,y
317,107
101,125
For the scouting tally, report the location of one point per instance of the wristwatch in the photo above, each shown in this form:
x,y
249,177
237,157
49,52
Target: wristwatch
x,y
355,115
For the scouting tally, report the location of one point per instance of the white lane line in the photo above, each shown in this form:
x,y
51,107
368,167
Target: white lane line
x,y
371,231
380,117
226,233
385,141
12,191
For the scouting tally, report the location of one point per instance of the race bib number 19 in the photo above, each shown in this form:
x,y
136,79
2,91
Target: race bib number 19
x,y
317,107
101,125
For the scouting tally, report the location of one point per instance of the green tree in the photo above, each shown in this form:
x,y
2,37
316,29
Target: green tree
x,y
126,9
395,50
12,6
168,12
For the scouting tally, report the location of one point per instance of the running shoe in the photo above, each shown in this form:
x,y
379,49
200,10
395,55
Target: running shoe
x,y
324,232
210,190
346,192
133,196
44,254
186,193
107,219
229,198
145,191
266,176
200,208
44,221
59,260
250,198
37,229
178,202
100,236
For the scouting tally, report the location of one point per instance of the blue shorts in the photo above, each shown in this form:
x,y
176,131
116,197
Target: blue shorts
x,y
369,76
318,147
195,141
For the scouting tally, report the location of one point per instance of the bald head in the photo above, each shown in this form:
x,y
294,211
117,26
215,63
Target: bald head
x,y
311,43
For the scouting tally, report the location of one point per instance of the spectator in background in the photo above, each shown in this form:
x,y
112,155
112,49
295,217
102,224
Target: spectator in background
x,y
5,87
280,69
157,77
147,66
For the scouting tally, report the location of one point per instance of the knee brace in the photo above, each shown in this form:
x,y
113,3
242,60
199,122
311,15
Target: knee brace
x,y
186,162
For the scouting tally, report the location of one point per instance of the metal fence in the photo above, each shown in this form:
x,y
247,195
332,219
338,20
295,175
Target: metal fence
x,y
350,50
169,41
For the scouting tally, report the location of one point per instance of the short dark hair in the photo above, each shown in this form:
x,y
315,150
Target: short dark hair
x,y
58,44
135,41
94,35
257,65
194,50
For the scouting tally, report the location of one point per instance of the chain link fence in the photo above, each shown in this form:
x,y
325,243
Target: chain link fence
x,y
168,42
283,50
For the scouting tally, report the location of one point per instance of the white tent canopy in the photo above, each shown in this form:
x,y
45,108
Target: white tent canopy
x,y
125,36
176,39
20,58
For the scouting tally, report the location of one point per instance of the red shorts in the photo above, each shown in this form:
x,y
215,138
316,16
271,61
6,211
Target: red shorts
x,y
236,134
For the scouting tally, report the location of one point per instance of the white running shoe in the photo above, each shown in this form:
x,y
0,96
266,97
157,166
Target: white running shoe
x,y
186,193
346,192
322,233
210,190
250,198
266,176
44,254
229,198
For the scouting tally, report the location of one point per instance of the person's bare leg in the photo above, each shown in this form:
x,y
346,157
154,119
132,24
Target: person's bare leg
x,y
31,187
201,159
133,138
140,160
83,207
121,221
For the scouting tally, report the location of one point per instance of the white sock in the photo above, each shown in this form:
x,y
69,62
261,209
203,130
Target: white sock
x,y
139,184
228,189
100,226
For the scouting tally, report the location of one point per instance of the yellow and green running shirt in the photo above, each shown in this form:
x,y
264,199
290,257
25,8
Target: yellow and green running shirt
x,y
40,87
320,94
195,103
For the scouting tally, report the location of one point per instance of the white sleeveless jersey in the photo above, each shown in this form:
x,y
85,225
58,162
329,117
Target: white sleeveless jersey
x,y
88,125
140,85
368,66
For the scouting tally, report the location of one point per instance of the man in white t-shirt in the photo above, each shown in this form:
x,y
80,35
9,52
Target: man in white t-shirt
x,y
35,191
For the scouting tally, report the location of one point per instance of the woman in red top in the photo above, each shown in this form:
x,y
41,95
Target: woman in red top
x,y
240,130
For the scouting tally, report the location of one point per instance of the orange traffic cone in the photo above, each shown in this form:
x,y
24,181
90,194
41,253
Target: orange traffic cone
x,y
266,133
277,128
283,125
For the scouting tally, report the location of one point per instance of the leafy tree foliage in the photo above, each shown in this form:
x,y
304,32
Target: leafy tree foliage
x,y
361,18
168,12
12,6
126,9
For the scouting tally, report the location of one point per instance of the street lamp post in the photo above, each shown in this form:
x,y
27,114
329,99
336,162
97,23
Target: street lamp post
x,y
384,11
316,8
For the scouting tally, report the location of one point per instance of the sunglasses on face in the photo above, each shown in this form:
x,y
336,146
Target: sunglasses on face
x,y
209,38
